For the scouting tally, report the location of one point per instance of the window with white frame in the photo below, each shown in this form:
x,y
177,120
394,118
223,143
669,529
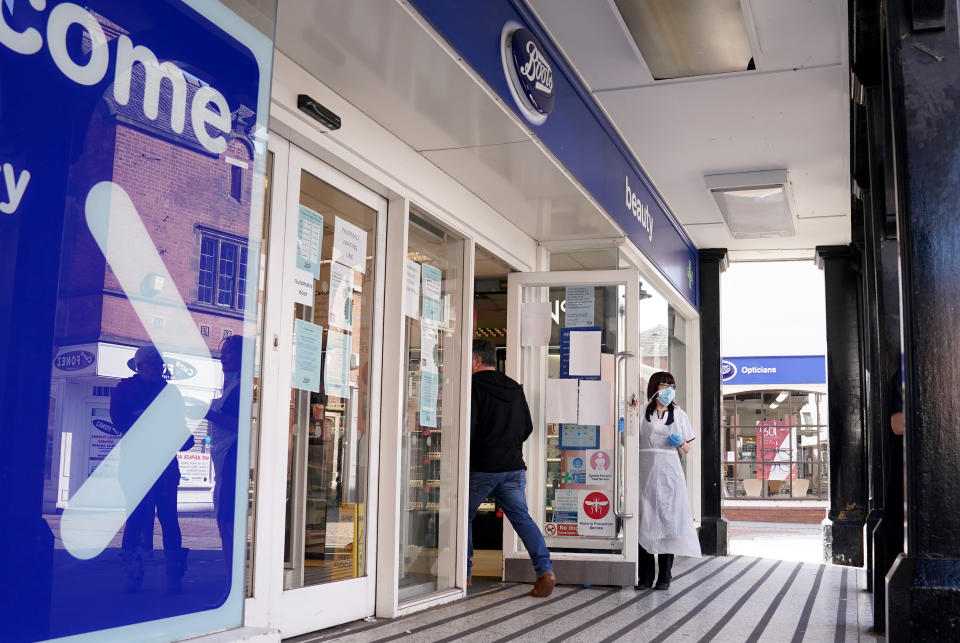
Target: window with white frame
x,y
222,275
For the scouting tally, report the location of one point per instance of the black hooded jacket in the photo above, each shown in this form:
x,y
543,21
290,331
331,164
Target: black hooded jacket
x,y
499,423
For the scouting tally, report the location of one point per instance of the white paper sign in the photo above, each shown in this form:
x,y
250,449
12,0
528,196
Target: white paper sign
x,y
428,348
596,515
411,298
303,287
349,245
600,468
194,469
336,366
340,307
579,309
535,324
585,353
561,401
595,403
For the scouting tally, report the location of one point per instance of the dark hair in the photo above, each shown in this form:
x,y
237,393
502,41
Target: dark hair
x,y
486,351
232,343
653,386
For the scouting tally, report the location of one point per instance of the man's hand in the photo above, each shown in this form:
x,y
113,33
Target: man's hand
x,y
896,422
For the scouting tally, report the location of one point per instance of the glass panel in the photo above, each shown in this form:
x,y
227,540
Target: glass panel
x,y
783,453
578,455
259,347
431,436
329,445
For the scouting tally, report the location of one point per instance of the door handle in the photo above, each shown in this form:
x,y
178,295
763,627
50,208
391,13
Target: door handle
x,y
622,357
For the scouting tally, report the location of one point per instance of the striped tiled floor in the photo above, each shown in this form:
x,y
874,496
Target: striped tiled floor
x,y
736,598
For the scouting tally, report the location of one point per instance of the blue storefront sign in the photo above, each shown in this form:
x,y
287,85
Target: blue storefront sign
x,y
785,370
119,123
508,48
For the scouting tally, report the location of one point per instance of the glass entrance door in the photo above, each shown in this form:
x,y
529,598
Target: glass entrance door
x,y
335,231
582,381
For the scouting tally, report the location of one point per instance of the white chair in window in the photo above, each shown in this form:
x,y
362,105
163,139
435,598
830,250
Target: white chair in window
x,y
799,488
752,487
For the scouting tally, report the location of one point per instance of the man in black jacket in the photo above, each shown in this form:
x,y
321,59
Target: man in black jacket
x,y
499,423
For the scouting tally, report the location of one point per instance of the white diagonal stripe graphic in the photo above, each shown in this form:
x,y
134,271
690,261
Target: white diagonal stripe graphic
x,y
100,506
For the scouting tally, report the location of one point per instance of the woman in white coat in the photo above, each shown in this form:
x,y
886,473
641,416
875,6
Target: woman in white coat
x,y
666,522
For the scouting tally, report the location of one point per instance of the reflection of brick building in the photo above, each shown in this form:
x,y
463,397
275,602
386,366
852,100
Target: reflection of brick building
x,y
195,206
653,347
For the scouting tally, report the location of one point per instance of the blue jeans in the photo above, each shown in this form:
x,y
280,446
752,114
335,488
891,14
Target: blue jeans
x,y
509,490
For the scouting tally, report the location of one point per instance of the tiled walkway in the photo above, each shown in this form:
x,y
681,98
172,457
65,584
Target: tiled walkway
x,y
735,598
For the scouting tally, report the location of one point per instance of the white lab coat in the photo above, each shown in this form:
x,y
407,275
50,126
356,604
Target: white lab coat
x,y
666,522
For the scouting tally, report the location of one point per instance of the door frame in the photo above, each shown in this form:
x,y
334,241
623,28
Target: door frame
x,y
306,609
534,450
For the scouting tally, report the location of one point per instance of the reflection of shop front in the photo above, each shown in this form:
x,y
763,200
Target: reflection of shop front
x,y
774,439
84,377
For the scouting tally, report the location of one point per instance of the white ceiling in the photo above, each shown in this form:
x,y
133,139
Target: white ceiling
x,y
791,113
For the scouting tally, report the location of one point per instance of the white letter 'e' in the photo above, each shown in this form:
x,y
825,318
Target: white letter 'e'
x,y
201,115
61,18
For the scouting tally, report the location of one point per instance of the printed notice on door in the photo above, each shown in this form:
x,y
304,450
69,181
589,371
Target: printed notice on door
x,y
307,343
309,240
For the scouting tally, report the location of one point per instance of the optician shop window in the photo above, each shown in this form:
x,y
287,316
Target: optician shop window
x,y
775,445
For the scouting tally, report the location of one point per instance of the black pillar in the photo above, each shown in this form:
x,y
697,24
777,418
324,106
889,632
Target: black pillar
x,y
843,527
885,535
713,527
923,588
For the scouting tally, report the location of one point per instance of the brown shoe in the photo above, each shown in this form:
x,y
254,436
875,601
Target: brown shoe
x,y
544,586
469,581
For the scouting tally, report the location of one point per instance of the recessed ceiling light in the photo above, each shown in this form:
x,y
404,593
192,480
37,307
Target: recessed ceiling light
x,y
754,205
683,38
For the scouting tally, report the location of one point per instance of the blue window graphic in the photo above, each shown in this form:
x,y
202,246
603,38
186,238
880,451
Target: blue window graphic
x,y
126,427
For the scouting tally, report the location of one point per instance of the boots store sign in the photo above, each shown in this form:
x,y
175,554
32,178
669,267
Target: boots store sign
x,y
107,107
529,74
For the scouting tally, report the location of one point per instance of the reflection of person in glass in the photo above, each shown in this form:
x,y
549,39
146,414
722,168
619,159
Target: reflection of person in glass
x,y
666,522
130,399
224,418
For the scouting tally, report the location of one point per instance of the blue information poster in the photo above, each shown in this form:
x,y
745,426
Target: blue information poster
x,y
132,149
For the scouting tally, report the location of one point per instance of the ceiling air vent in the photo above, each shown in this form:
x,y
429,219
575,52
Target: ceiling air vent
x,y
754,205
683,38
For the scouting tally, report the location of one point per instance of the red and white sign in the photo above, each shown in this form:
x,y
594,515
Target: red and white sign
x,y
775,444
596,516
561,529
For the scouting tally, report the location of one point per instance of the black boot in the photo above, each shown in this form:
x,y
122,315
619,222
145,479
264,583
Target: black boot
x,y
645,569
133,566
176,567
666,564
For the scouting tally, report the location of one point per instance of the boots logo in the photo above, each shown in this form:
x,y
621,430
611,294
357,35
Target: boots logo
x,y
528,72
728,370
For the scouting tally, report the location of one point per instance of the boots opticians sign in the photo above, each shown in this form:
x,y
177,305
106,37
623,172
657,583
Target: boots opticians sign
x,y
132,158
528,71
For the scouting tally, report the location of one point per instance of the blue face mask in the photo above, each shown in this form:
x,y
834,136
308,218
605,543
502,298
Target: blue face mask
x,y
666,395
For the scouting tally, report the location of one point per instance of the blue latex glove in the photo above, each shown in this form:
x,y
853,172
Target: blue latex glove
x,y
675,439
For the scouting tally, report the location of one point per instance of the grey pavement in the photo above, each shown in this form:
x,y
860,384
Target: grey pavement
x,y
732,598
